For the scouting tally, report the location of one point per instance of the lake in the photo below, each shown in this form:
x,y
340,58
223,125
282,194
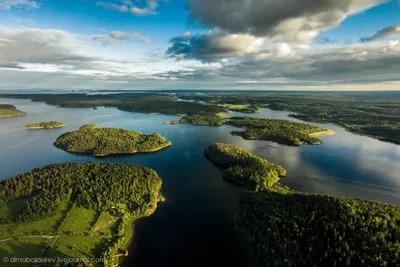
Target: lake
x,y
194,227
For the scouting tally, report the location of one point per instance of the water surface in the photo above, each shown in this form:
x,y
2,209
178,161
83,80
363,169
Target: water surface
x,y
194,227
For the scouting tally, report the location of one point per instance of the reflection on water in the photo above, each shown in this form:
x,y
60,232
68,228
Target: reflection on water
x,y
194,227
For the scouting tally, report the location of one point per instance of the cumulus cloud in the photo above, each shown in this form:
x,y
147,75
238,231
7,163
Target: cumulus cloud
x,y
150,8
7,4
37,45
288,19
214,45
390,31
114,36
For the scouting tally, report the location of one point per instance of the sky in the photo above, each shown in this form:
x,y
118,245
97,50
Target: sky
x,y
200,44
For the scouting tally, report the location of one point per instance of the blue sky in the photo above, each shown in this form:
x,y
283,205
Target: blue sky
x,y
118,44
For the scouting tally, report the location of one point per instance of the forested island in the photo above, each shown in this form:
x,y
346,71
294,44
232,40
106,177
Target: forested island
x,y
7,111
280,131
44,125
282,227
107,141
376,114
75,210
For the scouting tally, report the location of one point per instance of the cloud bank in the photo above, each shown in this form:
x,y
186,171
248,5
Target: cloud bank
x,y
290,20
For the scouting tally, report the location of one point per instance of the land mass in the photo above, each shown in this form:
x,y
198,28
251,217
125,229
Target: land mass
x,y
7,111
280,131
75,210
141,102
107,141
282,227
376,114
45,125
243,167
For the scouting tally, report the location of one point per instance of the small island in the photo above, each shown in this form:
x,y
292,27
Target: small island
x,y
282,227
8,111
44,125
241,108
279,131
243,167
70,210
101,142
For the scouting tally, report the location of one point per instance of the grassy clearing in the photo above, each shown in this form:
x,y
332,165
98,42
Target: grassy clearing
x,y
78,221
104,221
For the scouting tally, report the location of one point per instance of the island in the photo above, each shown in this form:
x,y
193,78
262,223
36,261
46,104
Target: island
x,y
7,111
75,210
44,125
203,118
375,114
241,108
280,131
243,167
282,227
101,142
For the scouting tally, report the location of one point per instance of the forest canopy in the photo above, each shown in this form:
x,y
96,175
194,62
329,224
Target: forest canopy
x,y
282,227
45,125
105,141
314,230
9,111
83,209
243,167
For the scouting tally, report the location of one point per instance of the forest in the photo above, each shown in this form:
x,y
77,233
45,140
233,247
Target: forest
x,y
243,167
201,118
133,102
282,227
105,141
45,125
84,208
376,114
9,111
279,131
315,230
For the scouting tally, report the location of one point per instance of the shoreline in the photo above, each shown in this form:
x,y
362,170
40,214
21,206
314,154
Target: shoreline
x,y
116,153
42,127
327,132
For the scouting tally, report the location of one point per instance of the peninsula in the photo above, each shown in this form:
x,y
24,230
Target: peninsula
x,y
243,167
44,125
7,111
101,142
70,209
279,131
281,226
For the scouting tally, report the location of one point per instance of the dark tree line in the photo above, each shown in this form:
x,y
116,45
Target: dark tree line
x,y
314,230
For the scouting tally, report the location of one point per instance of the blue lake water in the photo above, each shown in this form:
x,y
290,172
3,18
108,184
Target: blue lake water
x,y
194,227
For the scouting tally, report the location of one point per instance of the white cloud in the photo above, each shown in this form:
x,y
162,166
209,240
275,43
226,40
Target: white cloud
x,y
7,4
114,36
150,8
